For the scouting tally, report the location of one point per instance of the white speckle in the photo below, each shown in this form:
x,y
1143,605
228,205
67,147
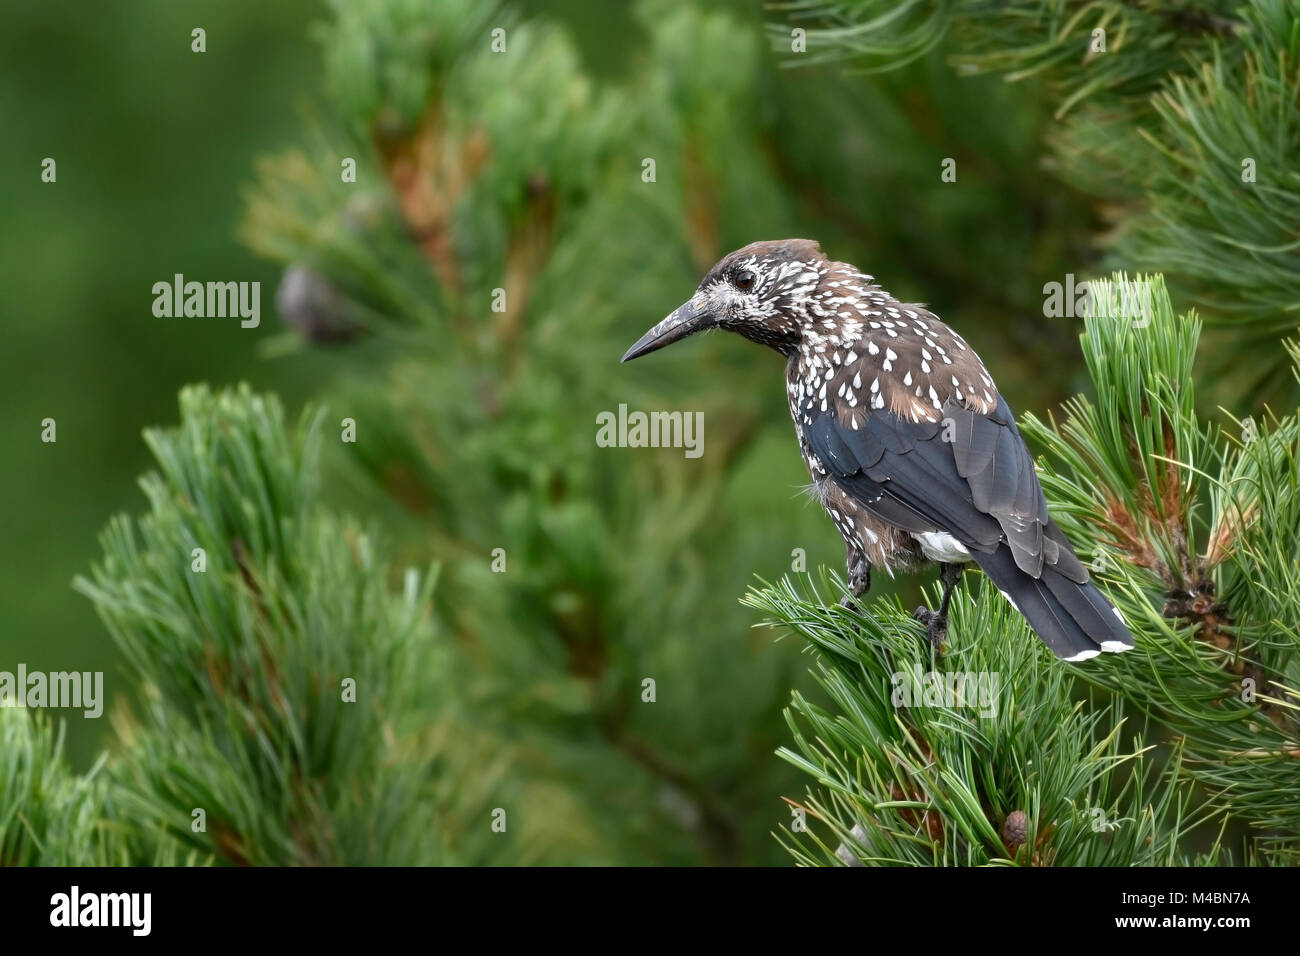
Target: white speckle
x,y
941,546
925,367
875,385
872,348
907,379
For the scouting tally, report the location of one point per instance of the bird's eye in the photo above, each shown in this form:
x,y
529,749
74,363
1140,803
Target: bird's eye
x,y
744,281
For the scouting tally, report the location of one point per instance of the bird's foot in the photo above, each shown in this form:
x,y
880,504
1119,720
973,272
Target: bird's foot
x,y
936,625
848,602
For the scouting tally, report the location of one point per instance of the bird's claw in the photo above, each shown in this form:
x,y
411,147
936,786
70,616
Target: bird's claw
x,y
848,602
936,626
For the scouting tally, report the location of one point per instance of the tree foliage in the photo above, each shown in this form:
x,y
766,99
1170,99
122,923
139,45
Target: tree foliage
x,y
1180,117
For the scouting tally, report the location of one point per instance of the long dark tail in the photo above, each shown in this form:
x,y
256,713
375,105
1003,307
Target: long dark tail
x,y
1074,620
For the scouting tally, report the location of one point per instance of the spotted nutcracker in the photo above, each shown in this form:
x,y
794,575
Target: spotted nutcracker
x,y
911,449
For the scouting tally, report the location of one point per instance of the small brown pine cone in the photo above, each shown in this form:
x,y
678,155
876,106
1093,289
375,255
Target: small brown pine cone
x,y
1015,830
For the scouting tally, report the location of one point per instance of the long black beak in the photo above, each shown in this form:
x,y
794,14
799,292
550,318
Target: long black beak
x,y
683,322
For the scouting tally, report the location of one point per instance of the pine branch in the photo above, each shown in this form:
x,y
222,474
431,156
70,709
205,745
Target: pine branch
x,y
1053,38
49,816
1181,117
983,756
1224,208
1193,532
288,693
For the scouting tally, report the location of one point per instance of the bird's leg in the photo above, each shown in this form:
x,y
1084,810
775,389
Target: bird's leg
x,y
936,622
859,571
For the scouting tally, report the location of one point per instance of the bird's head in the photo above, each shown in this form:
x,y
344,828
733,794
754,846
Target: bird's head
x,y
759,291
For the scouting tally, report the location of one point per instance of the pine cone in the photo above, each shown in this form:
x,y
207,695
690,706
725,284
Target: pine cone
x,y
1015,830
310,304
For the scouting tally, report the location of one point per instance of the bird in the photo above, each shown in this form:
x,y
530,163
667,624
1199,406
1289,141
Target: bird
x,y
912,450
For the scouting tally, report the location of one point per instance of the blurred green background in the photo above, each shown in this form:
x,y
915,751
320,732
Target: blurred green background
x,y
152,144
155,146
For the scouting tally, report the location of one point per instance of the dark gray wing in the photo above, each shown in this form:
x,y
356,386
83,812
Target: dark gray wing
x,y
968,474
